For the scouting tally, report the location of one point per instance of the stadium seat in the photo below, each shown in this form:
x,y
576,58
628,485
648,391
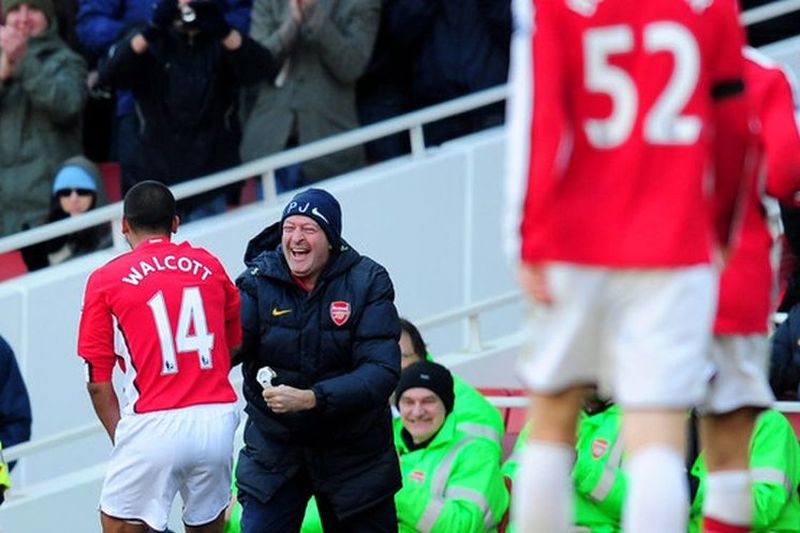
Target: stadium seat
x,y
110,174
11,265
794,418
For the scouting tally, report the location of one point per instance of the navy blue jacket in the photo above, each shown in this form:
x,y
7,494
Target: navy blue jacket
x,y
784,372
460,46
15,407
187,94
345,443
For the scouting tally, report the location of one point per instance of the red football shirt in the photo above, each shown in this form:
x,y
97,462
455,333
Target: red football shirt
x,y
622,104
746,296
169,313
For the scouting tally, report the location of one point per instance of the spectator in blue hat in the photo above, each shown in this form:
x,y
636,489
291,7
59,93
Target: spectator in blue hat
x,y
76,190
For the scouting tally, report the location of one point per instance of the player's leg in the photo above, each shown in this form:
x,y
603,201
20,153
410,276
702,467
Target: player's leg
x,y
559,362
206,465
657,489
663,329
728,495
215,526
139,485
116,525
738,392
543,490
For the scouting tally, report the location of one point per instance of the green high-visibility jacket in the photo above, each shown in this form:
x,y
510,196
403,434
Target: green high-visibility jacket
x,y
477,417
775,468
232,524
453,484
312,523
600,483
5,483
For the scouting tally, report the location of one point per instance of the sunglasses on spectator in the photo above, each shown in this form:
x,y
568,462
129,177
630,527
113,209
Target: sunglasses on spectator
x,y
66,193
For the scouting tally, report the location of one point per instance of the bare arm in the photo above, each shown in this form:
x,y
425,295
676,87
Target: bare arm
x,y
106,405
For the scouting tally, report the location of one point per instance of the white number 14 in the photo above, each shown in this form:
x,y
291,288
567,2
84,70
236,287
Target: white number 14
x,y
191,334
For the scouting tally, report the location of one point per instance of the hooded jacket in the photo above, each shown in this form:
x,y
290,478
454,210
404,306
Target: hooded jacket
x,y
341,341
41,107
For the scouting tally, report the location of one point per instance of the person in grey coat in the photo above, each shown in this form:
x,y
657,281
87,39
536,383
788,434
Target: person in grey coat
x,y
42,95
324,47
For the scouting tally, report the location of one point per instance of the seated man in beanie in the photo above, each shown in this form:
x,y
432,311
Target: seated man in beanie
x,y
322,317
474,414
42,96
451,480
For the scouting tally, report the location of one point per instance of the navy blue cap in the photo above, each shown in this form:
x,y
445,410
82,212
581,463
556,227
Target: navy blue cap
x,y
321,206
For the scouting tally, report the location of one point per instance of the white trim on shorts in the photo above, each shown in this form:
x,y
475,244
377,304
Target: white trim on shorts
x,y
158,454
641,335
740,364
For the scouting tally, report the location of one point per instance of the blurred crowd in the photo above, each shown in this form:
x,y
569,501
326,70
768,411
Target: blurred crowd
x,y
173,90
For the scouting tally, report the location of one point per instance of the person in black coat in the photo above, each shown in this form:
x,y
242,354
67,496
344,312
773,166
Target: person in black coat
x,y
15,406
784,370
185,68
322,318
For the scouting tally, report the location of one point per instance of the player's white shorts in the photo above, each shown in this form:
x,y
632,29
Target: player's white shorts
x,y
157,455
641,335
740,374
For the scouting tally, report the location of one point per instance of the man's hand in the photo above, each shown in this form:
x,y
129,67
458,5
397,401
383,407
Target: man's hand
x,y
296,10
14,44
285,399
307,7
6,68
533,279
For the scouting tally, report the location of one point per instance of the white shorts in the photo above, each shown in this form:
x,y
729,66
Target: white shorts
x,y
740,374
158,454
641,335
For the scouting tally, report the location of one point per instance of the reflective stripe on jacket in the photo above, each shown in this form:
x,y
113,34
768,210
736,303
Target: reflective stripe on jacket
x,y
600,483
453,484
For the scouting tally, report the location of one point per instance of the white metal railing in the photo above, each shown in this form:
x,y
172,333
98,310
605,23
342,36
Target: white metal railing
x,y
265,167
89,430
472,313
769,11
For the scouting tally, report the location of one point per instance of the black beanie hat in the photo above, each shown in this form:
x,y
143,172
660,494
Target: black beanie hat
x,y
428,375
321,206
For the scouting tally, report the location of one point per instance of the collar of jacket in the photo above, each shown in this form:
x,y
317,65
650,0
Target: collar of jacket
x,y
445,437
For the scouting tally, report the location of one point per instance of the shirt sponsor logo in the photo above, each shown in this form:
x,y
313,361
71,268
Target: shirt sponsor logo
x,y
280,312
417,475
340,312
599,447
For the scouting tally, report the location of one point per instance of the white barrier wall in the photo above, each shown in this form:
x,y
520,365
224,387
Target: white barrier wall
x,y
434,223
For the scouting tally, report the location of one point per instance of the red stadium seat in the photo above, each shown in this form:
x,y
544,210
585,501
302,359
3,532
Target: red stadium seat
x,y
794,418
513,417
110,174
11,265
